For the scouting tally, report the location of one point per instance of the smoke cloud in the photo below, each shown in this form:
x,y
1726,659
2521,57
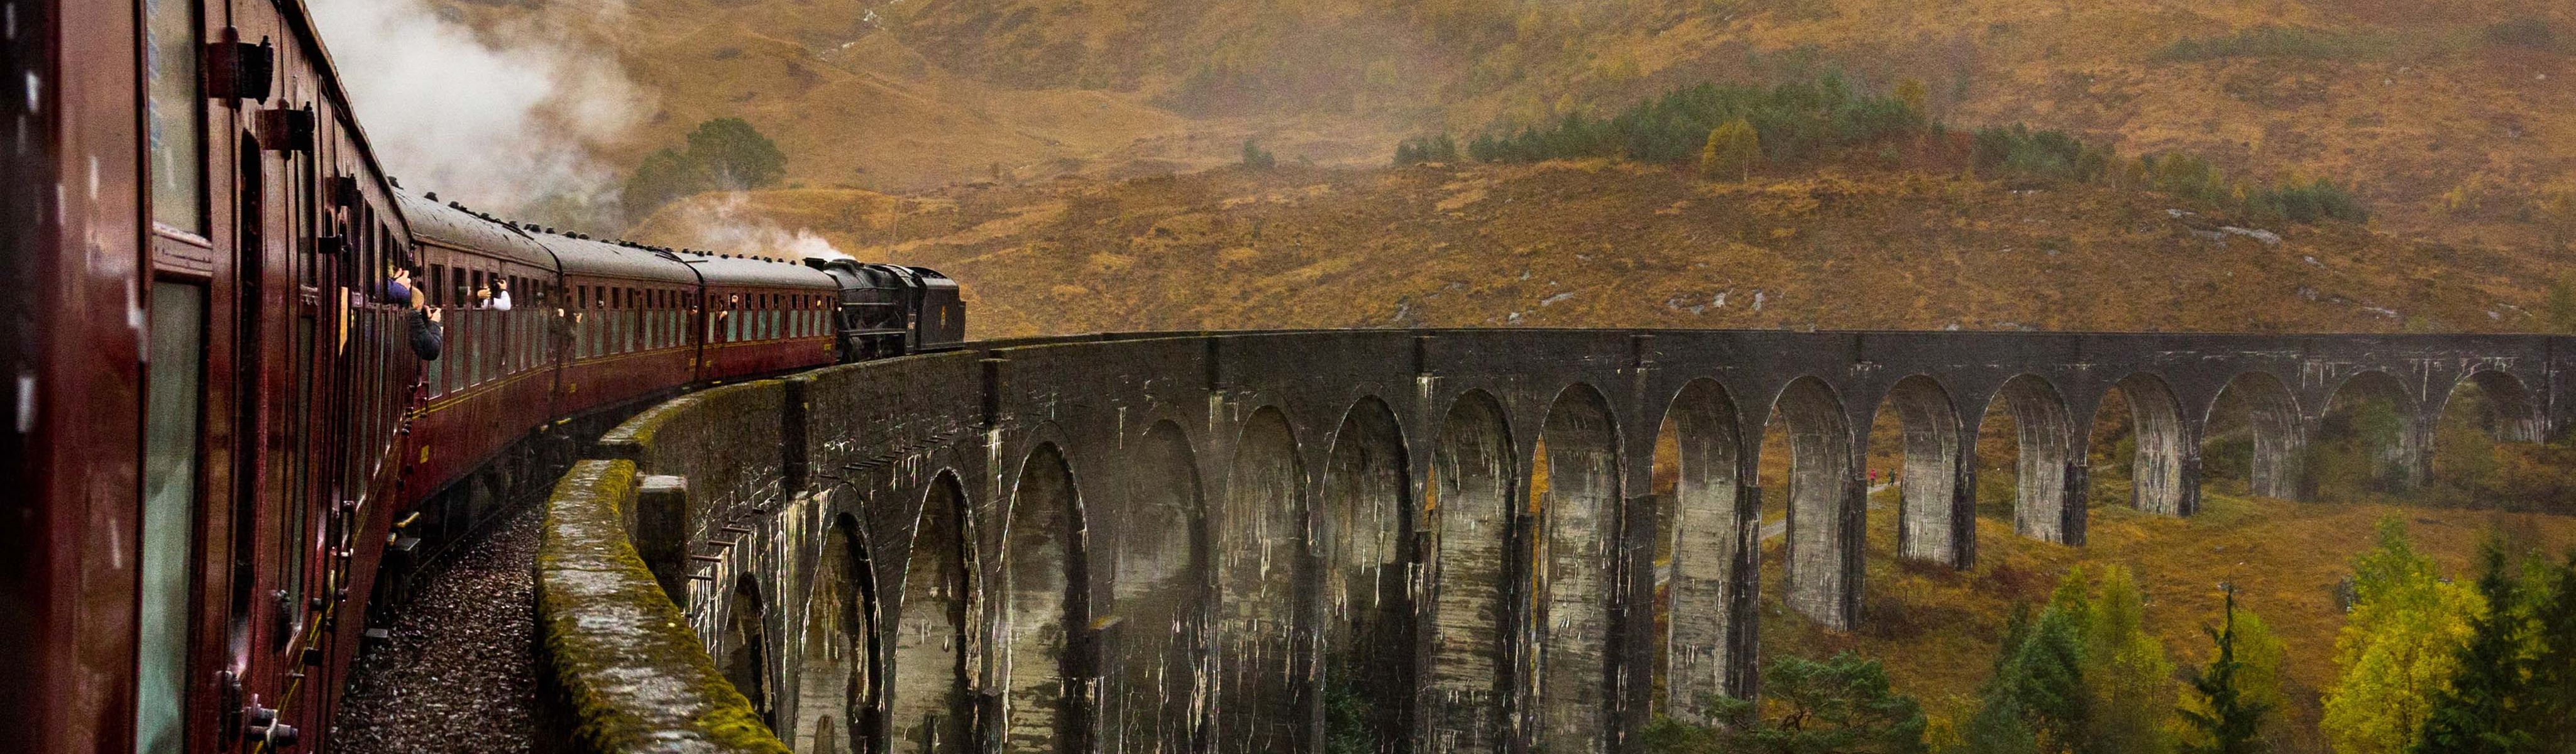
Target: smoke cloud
x,y
507,118
727,223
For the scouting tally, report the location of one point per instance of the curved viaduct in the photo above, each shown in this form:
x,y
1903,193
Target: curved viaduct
x,y
1433,541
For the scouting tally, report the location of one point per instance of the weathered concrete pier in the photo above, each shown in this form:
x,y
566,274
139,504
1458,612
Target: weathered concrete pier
x,y
1427,541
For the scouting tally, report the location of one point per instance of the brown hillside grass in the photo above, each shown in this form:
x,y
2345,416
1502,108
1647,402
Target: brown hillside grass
x,y
1612,244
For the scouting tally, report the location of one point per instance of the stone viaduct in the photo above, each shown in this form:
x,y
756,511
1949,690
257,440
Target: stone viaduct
x,y
1424,541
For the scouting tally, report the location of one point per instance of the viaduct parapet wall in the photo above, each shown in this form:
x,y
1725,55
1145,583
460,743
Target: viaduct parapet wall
x,y
1430,541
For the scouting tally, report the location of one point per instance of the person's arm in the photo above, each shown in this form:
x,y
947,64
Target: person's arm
x,y
428,338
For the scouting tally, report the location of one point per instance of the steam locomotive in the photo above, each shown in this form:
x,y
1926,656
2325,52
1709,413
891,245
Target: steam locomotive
x,y
224,446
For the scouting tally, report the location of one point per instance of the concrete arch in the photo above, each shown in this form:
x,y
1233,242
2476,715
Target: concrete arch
x,y
2396,453
1574,493
1256,530
926,680
1468,507
1934,519
835,677
1825,505
2047,505
2162,474
1150,545
1043,650
2280,436
2516,411
746,660
1705,529
1364,531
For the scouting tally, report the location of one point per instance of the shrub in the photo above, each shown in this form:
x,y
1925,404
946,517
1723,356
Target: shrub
x,y
2017,150
2527,33
2186,176
1421,149
2305,202
1840,704
1794,123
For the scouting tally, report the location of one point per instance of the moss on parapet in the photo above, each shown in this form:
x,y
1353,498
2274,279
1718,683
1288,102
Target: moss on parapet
x,y
634,673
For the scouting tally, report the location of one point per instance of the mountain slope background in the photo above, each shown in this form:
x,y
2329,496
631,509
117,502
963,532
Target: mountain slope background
x,y
2451,118
1603,243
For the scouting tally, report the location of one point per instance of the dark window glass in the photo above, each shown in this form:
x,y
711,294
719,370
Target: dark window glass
x,y
293,511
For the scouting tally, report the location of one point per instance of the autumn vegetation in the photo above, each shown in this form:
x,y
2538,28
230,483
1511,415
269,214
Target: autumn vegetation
x,y
1732,129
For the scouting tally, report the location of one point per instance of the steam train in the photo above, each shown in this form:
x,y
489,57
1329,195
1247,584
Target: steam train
x,y
224,445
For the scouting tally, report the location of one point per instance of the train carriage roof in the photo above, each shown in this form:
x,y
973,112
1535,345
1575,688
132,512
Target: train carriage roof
x,y
748,272
594,258
451,226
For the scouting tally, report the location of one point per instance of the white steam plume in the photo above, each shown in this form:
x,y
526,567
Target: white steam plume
x,y
728,224
501,118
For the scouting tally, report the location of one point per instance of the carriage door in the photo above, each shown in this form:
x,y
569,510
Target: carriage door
x,y
307,416
255,468
176,655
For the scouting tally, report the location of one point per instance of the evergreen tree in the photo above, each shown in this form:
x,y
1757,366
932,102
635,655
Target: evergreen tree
x,y
1840,705
2551,716
2561,306
2127,677
2259,654
2038,692
2479,710
2232,723
1257,158
1999,727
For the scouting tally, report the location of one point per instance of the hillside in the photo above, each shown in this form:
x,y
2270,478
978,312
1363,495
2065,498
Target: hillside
x,y
2452,118
1609,244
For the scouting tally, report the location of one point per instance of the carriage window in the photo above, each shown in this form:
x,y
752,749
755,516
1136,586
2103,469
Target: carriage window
x,y
295,508
177,150
171,431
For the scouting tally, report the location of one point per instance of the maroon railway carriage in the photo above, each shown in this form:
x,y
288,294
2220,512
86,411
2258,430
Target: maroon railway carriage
x,y
763,316
220,438
628,315
492,384
204,396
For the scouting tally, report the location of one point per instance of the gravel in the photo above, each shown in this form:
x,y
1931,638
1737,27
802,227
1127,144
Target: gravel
x,y
459,672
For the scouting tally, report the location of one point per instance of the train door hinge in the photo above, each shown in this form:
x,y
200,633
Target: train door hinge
x,y
287,129
238,70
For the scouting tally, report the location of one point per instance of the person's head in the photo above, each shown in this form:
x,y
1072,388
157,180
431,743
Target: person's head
x,y
483,292
402,273
501,285
418,301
